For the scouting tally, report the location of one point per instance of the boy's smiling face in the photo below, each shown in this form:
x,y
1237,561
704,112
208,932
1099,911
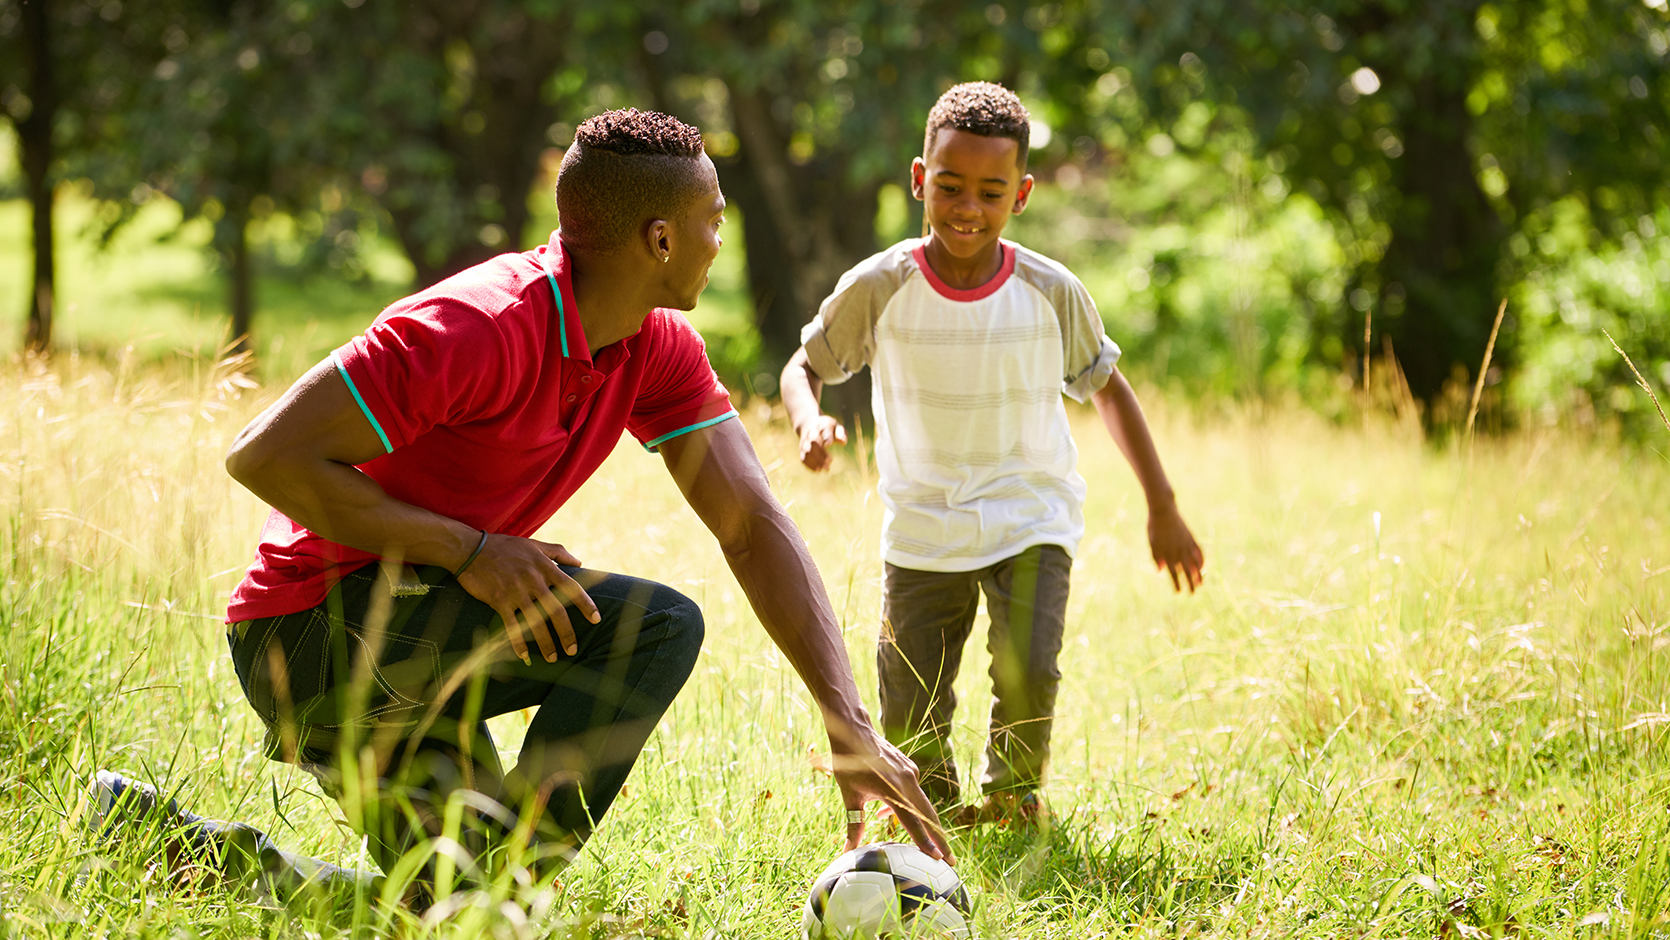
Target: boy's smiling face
x,y
970,185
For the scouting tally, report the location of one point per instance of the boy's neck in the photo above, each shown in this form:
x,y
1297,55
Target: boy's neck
x,y
963,273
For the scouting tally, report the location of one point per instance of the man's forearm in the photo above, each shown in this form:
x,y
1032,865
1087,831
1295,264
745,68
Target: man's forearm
x,y
344,505
721,476
777,573
299,457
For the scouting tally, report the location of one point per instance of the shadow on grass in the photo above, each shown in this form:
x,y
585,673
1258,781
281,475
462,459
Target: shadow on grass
x,y
1138,868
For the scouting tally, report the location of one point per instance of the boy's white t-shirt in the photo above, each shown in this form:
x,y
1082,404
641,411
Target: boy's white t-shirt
x,y
976,460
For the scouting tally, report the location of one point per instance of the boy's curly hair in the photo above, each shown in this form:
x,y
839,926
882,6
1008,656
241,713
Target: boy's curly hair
x,y
982,108
625,168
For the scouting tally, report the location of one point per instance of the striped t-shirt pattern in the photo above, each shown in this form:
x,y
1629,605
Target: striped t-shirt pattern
x,y
972,444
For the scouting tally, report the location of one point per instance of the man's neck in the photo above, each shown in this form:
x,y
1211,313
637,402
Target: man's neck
x,y
608,293
963,273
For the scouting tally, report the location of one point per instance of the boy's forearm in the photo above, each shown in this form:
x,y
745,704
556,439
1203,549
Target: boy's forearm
x,y
1122,415
801,390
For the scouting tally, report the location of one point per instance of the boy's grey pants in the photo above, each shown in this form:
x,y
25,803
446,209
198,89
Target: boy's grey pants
x,y
926,618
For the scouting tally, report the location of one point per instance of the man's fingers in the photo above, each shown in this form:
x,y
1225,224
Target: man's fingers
x,y
1173,568
559,554
855,830
577,596
553,616
927,835
513,631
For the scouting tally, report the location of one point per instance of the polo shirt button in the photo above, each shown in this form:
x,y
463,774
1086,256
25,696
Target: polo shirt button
x,y
573,397
585,378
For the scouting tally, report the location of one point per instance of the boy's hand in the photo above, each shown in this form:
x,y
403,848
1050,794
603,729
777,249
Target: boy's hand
x,y
1174,547
816,439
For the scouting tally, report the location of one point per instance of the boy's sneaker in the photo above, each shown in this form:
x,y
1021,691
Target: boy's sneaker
x,y
1019,810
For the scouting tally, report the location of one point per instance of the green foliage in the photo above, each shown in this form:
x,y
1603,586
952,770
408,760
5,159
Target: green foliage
x,y
1428,129
1568,365
1209,275
1270,175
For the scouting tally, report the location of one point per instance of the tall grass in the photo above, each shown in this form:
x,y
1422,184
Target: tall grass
x,y
1421,693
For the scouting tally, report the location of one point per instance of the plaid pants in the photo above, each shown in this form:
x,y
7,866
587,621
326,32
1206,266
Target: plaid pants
x,y
927,617
383,692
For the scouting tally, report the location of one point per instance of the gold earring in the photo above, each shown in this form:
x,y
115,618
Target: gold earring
x,y
666,258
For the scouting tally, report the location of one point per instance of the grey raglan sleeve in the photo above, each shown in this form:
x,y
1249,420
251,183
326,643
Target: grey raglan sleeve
x,y
1088,352
841,339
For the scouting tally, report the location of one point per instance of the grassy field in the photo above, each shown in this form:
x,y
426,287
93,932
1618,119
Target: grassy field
x,y
1423,692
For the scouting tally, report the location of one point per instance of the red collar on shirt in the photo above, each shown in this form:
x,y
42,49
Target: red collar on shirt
x,y
920,253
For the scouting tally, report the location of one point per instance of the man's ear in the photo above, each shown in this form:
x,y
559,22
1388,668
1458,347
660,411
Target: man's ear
x,y
1023,194
918,179
658,239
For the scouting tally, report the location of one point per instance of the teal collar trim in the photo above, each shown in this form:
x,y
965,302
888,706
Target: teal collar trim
x,y
556,291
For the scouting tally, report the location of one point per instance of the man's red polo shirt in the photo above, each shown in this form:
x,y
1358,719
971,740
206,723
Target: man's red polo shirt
x,y
493,411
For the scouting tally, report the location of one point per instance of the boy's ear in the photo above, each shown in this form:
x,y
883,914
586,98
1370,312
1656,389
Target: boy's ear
x,y
1022,195
918,179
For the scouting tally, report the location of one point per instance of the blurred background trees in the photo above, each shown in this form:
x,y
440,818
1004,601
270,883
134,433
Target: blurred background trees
x,y
1245,185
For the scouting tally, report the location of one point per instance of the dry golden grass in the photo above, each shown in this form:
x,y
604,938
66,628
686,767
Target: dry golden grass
x,y
1417,689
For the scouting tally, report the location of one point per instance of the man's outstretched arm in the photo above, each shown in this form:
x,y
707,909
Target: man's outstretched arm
x,y
721,477
301,457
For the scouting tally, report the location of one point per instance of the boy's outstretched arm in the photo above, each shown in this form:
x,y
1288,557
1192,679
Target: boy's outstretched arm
x,y
818,432
1174,547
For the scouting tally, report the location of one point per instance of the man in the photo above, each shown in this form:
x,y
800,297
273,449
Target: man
x,y
397,599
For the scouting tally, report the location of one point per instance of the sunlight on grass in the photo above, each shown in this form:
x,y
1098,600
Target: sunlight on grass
x,y
1419,688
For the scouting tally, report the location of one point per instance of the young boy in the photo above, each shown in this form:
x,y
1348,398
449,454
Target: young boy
x,y
971,341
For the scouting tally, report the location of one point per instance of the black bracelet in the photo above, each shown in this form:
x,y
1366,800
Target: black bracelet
x,y
471,560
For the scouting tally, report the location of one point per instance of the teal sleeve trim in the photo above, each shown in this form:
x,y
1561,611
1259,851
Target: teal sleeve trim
x,y
652,445
562,326
342,370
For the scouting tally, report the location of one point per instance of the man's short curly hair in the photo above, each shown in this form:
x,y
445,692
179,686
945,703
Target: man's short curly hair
x,y
980,108
625,168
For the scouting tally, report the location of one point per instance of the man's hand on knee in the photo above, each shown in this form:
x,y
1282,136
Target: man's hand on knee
x,y
520,579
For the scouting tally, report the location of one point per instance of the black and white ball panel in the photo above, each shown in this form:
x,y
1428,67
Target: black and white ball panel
x,y
887,890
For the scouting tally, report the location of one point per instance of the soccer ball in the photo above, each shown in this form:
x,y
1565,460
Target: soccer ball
x,y
887,891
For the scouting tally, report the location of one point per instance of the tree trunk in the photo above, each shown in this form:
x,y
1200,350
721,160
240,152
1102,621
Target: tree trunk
x,y
804,227
1445,246
241,300
35,138
493,163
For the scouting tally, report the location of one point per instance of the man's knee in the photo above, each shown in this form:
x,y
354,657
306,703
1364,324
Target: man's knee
x,y
684,627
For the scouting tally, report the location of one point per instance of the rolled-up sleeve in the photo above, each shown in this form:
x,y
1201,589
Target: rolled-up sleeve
x,y
1089,354
841,339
